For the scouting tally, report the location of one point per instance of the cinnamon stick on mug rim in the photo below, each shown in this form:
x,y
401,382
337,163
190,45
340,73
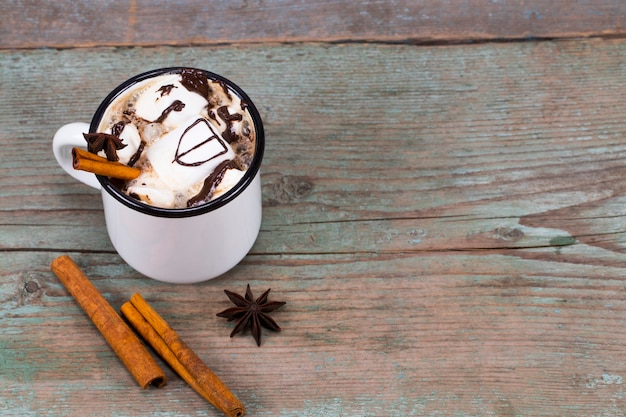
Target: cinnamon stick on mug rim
x,y
86,161
120,337
170,346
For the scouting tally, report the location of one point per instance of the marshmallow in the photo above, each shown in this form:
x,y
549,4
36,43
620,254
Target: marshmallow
x,y
157,96
188,154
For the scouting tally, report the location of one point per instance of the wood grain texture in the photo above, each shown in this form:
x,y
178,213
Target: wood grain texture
x,y
446,224
66,23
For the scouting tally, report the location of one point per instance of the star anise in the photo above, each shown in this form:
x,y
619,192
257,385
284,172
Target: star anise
x,y
251,311
110,144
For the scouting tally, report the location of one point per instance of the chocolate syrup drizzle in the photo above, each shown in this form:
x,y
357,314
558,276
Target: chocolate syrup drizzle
x,y
196,81
166,89
210,183
175,106
117,128
133,159
179,155
228,134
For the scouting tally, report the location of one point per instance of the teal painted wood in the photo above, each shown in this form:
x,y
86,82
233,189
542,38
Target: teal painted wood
x,y
452,136
445,224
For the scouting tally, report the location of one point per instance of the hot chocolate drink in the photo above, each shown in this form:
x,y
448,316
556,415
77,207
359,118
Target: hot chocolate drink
x,y
191,136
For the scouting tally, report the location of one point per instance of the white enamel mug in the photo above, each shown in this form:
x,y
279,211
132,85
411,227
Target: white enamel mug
x,y
174,245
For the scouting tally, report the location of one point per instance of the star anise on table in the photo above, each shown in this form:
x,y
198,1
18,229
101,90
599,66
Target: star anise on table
x,y
110,144
251,311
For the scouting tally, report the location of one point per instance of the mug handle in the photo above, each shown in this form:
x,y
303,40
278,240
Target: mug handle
x,y
66,138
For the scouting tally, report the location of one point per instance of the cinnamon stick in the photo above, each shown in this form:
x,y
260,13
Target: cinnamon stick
x,y
90,162
169,345
119,336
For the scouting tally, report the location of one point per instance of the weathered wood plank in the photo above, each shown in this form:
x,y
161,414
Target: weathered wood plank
x,y
65,23
445,223
451,159
439,333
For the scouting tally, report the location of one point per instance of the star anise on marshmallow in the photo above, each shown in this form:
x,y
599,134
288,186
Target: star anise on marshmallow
x,y
110,144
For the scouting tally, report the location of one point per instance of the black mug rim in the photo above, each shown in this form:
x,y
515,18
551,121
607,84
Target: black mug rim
x,y
212,205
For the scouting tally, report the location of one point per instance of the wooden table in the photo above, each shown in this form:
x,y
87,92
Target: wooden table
x,y
444,194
